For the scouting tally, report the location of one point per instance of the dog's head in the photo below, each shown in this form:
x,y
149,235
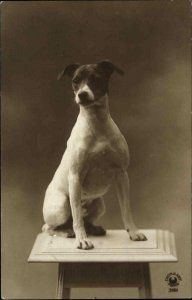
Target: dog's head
x,y
90,82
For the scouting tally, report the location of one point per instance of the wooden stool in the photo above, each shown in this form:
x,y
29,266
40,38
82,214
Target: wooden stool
x,y
115,261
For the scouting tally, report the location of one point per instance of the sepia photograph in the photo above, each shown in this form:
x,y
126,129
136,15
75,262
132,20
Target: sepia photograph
x,y
96,149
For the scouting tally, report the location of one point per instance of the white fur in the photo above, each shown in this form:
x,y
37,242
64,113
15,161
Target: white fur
x,y
96,158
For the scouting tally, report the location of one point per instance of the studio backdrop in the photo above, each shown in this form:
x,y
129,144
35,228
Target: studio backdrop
x,y
150,41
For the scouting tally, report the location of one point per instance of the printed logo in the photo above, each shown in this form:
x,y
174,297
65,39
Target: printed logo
x,y
173,280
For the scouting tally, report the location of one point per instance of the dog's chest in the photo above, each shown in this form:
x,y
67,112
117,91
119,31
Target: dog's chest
x,y
109,149
104,160
108,154
105,153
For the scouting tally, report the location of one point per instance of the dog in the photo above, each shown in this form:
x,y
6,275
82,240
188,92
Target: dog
x,y
95,159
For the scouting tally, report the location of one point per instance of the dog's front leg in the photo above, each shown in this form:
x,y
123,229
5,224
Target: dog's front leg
x,y
75,201
122,191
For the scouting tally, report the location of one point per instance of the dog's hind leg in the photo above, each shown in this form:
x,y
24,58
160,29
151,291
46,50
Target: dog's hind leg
x,y
93,211
56,211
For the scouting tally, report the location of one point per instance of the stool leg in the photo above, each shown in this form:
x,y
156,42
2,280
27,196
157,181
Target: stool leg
x,y
62,292
145,288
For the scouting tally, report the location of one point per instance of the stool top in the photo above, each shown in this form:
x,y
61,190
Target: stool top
x,y
114,247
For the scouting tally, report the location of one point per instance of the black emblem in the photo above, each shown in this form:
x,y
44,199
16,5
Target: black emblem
x,y
173,279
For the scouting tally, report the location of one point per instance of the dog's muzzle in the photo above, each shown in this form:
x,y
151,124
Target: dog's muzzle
x,y
85,96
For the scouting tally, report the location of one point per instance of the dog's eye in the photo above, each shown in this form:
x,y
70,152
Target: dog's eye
x,y
75,80
75,87
75,83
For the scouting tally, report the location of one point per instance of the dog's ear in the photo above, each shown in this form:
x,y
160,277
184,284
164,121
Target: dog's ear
x,y
69,71
108,68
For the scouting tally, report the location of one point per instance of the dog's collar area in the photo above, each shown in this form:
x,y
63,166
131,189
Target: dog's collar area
x,y
98,109
86,102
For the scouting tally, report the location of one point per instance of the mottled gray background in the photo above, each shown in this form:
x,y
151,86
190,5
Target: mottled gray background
x,y
150,40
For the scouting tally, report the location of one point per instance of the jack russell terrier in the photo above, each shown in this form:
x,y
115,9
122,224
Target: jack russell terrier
x,y
96,158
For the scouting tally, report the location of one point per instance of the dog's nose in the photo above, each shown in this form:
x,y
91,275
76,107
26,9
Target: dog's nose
x,y
83,96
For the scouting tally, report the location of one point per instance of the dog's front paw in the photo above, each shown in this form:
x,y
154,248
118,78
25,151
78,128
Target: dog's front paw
x,y
84,243
137,236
